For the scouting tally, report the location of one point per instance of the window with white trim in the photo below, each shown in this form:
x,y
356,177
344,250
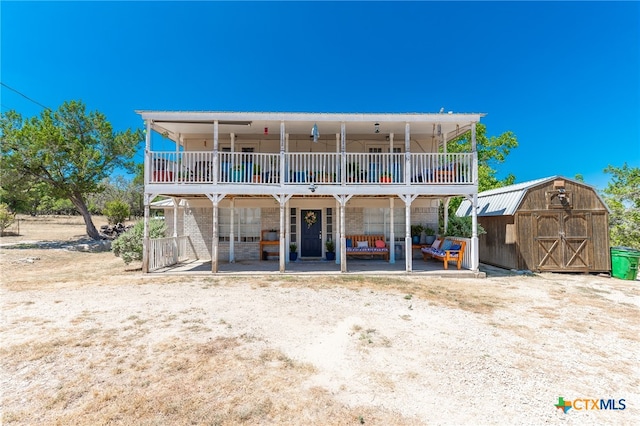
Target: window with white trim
x,y
246,224
377,222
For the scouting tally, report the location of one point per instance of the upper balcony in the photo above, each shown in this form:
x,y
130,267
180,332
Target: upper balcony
x,y
238,168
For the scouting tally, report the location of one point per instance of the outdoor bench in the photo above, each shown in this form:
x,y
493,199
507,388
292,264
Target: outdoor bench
x,y
451,252
358,245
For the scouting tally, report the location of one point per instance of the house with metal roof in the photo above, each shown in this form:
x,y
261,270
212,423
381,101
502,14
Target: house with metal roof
x,y
250,185
549,224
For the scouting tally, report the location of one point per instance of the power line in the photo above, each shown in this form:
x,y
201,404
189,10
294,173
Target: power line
x,y
24,96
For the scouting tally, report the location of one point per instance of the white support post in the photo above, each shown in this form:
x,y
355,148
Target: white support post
x,y
215,201
147,153
216,164
407,236
343,153
283,248
474,153
342,200
392,233
232,236
145,236
214,238
475,253
407,154
284,142
408,199
475,247
343,237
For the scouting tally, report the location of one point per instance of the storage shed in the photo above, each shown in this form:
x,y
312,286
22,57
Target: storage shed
x,y
553,224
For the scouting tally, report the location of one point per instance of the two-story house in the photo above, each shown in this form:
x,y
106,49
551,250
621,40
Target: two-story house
x,y
235,178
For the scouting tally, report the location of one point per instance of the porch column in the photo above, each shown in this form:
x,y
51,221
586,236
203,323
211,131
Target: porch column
x,y
475,254
216,164
145,236
408,199
215,201
342,200
282,200
283,136
283,248
392,233
475,247
407,237
232,238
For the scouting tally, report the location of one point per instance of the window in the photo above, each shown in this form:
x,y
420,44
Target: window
x,y
328,218
377,222
246,224
294,226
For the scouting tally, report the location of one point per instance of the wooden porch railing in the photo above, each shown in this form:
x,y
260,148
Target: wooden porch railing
x,y
168,251
307,168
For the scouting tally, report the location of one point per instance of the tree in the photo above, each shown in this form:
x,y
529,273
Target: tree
x,y
622,195
6,218
492,151
70,150
117,211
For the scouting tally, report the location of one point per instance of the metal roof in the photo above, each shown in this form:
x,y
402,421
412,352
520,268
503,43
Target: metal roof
x,y
506,200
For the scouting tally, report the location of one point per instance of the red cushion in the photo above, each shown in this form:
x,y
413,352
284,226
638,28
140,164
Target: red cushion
x,y
380,244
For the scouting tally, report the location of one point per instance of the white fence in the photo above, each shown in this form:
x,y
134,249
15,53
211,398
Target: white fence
x,y
168,251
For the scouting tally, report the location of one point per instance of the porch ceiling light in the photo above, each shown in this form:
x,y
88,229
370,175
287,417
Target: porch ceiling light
x,y
315,134
376,128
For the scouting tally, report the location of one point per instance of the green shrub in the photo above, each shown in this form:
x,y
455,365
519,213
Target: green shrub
x,y
116,211
461,227
128,246
6,217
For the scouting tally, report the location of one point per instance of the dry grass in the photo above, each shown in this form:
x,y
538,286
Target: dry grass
x,y
223,381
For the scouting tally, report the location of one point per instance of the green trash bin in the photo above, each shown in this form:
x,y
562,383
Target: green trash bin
x,y
624,262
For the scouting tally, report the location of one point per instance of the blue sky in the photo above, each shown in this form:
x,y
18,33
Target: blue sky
x,y
563,76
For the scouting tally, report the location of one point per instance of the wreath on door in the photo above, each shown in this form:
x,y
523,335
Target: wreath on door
x,y
310,219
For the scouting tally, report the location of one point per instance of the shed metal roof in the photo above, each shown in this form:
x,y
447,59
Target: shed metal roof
x,y
506,200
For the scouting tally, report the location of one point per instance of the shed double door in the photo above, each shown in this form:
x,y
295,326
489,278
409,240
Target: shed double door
x,y
562,241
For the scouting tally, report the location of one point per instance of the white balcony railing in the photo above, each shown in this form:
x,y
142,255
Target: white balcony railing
x,y
306,168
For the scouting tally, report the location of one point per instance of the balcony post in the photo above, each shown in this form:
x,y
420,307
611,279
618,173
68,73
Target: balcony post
x,y
407,155
343,154
215,152
283,136
147,153
474,152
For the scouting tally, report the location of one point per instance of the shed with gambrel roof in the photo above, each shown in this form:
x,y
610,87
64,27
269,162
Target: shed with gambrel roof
x,y
550,224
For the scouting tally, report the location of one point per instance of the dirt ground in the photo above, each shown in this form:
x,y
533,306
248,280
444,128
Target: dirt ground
x,y
85,341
